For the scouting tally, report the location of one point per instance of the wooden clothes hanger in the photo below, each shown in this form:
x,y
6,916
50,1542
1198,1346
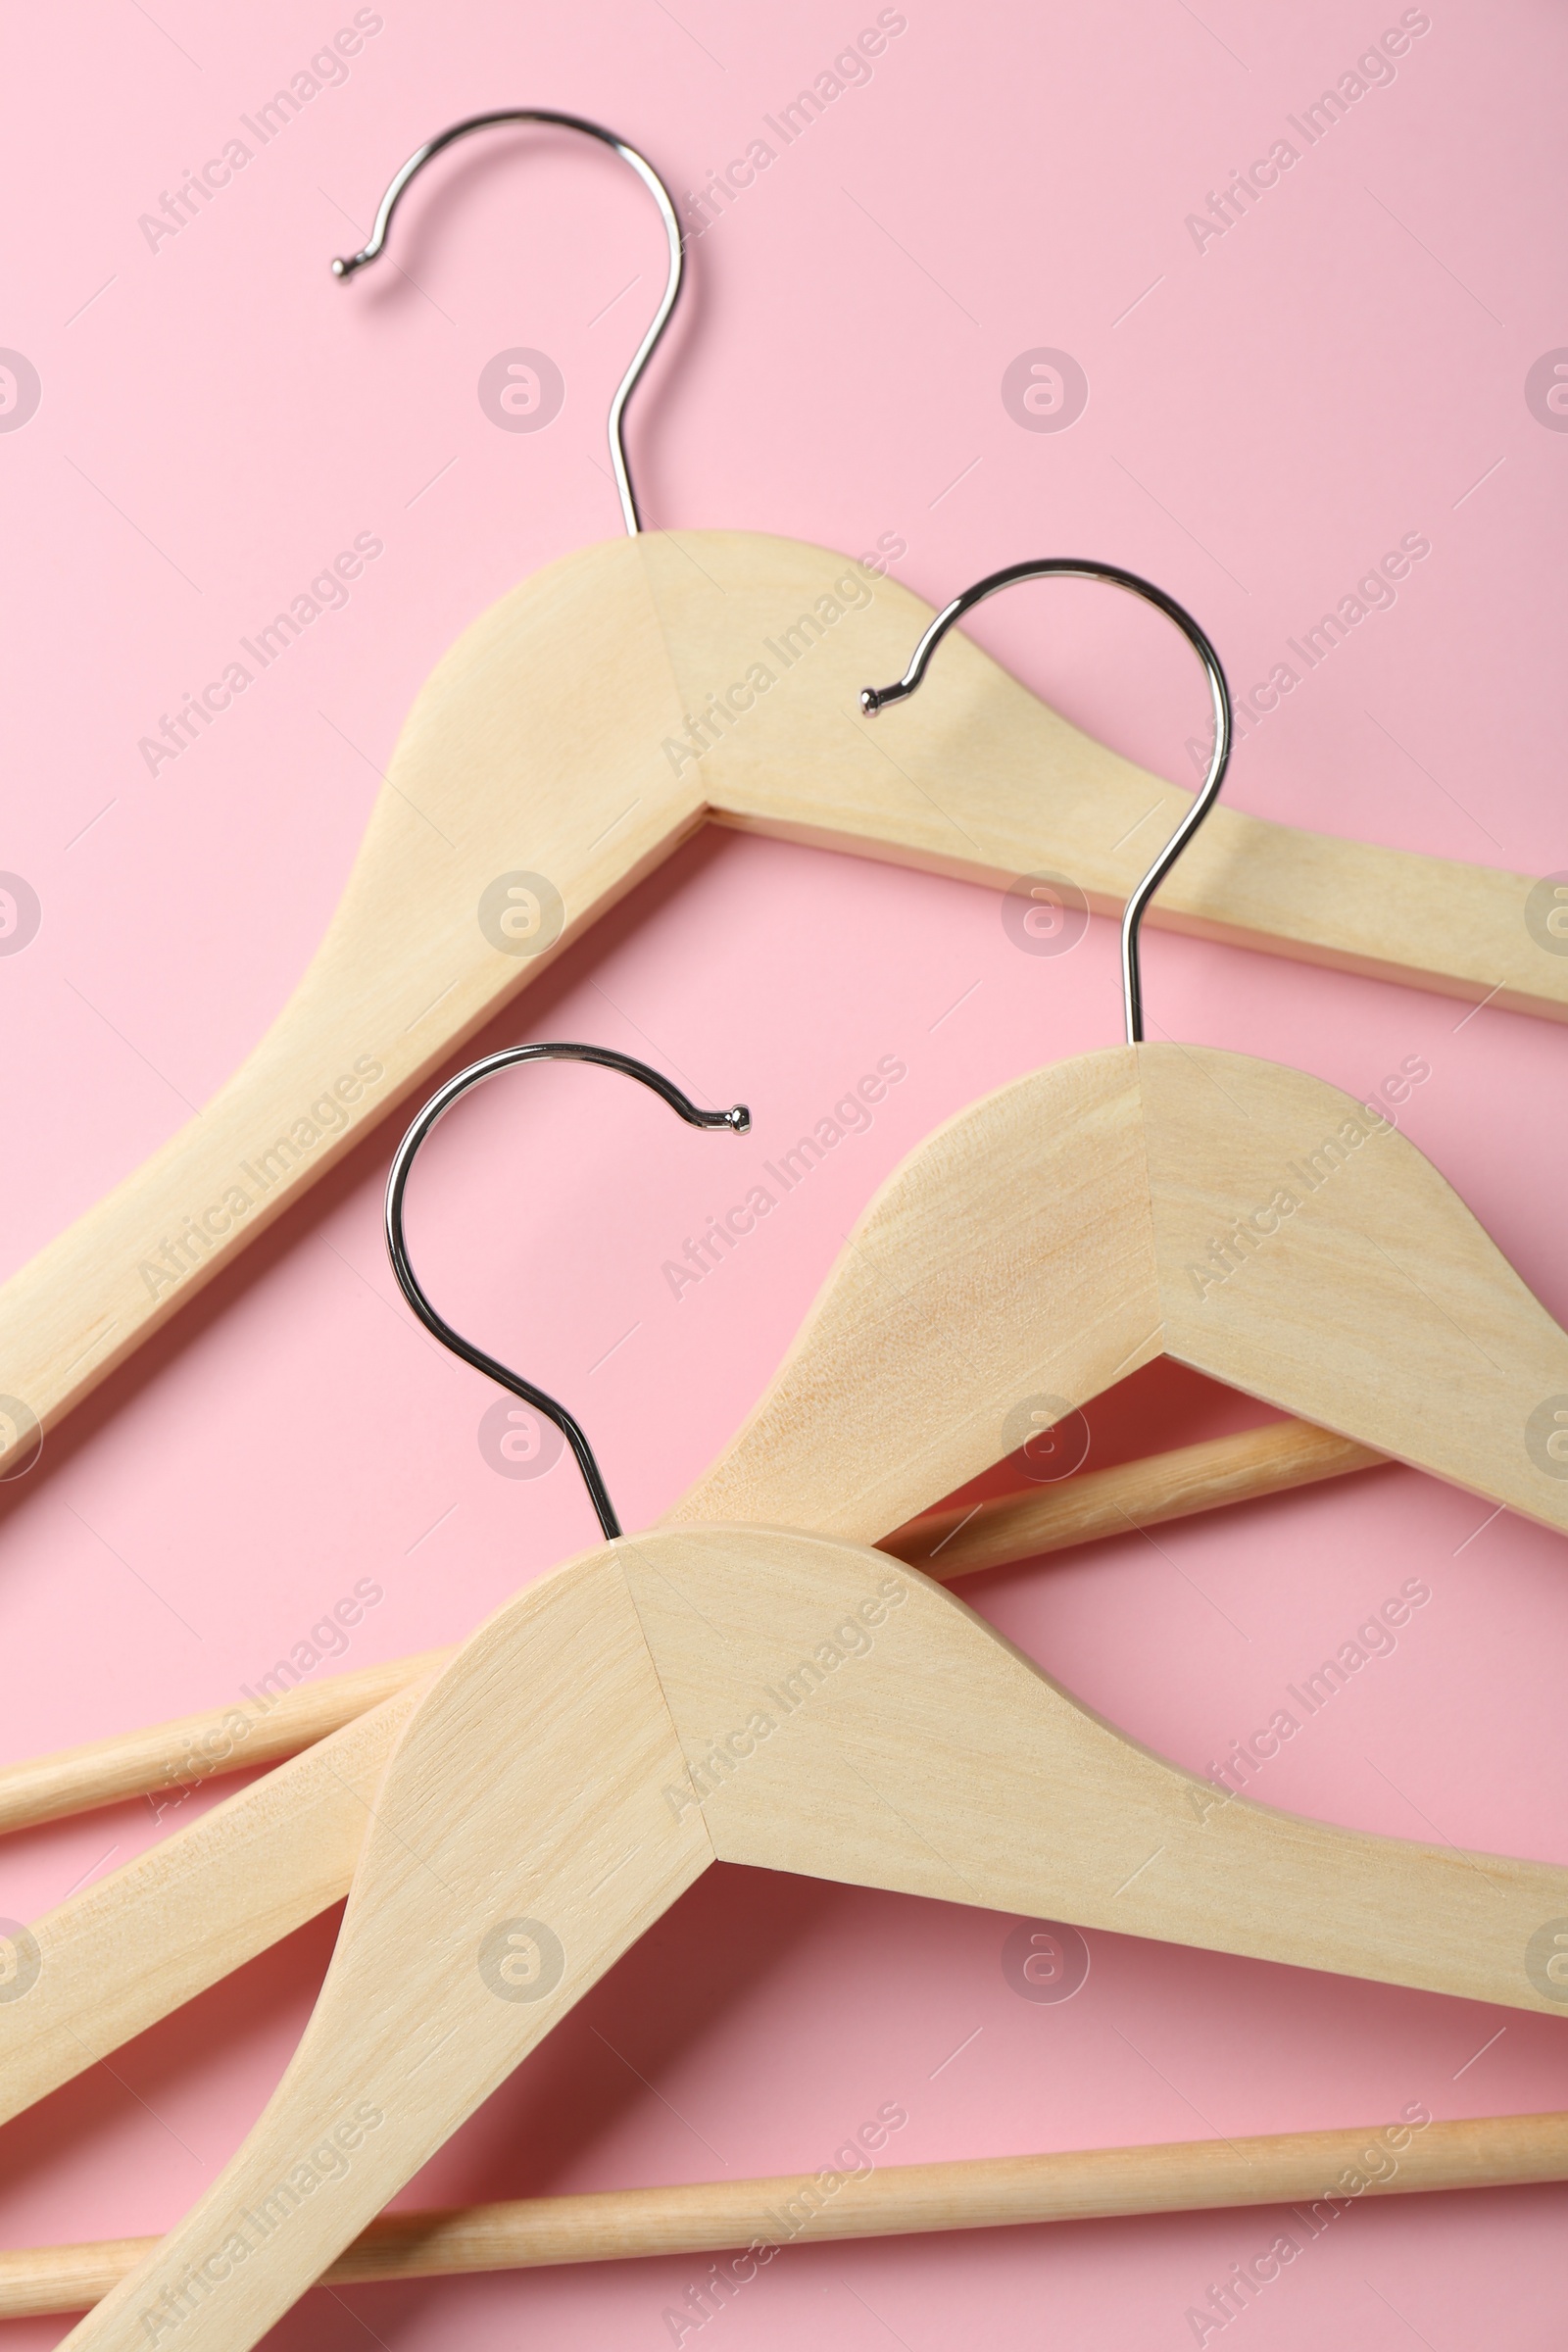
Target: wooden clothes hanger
x,y
283,1850
1325,2171
626,1708
1021,1243
172,1759
785,1700
1235,1215
278,1855
523,802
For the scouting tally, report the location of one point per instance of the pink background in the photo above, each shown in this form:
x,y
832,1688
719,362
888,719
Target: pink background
x,y
1265,417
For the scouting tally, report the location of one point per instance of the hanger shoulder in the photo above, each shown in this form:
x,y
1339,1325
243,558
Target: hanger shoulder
x,y
577,732
1007,1264
534,752
845,1718
772,1699
1310,1255
283,1848
114,1959
518,1843
1146,1491
982,780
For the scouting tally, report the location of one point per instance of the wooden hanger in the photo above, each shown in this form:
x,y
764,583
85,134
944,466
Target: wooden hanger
x,y
1062,1227
576,734
317,1806
170,1759
283,1850
785,1700
1238,1216
1325,2170
1093,1194
1067,1226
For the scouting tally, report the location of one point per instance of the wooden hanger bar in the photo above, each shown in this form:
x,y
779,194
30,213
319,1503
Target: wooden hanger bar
x,y
1176,1485
985,2192
580,730
283,1850
167,1760
1074,1188
1238,1217
952,1768
593,1747
1094,1192
137,1944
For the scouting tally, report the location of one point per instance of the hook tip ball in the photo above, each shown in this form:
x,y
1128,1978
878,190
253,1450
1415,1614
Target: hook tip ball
x,y
870,701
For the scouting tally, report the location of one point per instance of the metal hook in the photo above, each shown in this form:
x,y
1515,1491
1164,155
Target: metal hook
x,y
346,267
1071,568
738,1120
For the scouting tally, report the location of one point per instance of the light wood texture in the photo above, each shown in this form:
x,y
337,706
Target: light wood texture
x,y
1009,1257
554,740
781,1700
169,1760
134,1946
909,1746
1378,1308
1052,1238
285,1849
518,1843
1075,1260
985,2192
1121,1500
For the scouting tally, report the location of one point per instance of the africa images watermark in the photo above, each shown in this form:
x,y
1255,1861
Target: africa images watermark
x,y
1377,2165
1374,592
850,1638
20,914
20,1960
849,69
721,712
1231,1251
20,1437
1373,70
178,1255
852,1114
1546,389
219,1745
321,2167
21,390
328,70
326,592
1377,1637
853,2161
